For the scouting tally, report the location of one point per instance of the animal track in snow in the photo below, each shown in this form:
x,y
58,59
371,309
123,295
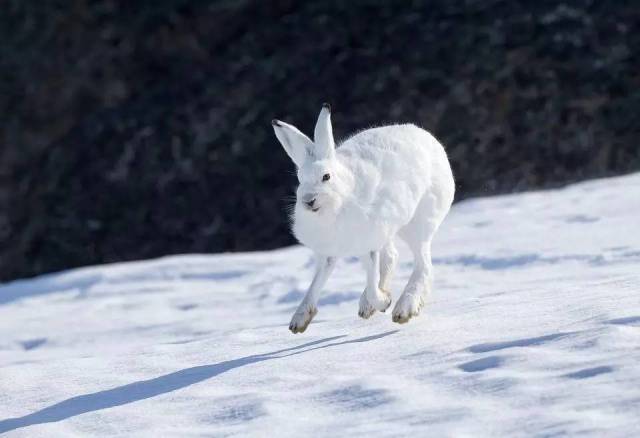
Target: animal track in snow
x,y
589,372
525,342
581,219
32,344
355,397
482,364
630,320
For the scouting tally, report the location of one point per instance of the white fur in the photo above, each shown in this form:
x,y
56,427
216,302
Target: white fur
x,y
386,181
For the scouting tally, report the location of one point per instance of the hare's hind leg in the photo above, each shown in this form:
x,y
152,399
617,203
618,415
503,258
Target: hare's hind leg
x,y
419,286
418,234
373,298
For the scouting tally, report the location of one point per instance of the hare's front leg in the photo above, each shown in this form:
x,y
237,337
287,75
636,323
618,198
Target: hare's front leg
x,y
373,298
309,305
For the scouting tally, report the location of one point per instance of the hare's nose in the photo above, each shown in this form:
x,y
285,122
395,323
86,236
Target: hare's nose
x,y
311,202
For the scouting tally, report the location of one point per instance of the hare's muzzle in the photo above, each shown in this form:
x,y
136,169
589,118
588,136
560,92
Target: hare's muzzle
x,y
309,201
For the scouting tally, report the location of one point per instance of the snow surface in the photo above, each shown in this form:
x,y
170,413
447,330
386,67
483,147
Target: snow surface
x,y
533,330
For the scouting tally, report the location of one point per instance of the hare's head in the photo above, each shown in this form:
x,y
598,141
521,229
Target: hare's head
x,y
323,179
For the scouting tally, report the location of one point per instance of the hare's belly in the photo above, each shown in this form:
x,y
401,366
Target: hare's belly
x,y
348,238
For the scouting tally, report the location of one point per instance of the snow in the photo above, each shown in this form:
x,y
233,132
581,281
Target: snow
x,y
533,329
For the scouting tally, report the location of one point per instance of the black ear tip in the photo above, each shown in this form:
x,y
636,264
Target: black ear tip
x,y
326,106
275,122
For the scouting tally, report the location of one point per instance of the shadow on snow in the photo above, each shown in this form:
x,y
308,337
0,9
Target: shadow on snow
x,y
144,389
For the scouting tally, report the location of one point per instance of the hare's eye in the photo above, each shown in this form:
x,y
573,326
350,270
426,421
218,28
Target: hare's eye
x,y
326,177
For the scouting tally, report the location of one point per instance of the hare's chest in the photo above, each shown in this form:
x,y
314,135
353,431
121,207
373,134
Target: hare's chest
x,y
350,236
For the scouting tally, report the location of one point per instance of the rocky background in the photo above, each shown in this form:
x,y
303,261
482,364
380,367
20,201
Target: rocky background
x,y
134,129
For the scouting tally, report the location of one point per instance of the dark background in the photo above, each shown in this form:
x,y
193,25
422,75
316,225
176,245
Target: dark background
x,y
133,129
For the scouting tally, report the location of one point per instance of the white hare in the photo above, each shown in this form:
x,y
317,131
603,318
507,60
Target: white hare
x,y
353,200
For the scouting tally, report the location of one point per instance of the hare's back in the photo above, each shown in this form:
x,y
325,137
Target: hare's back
x,y
391,149
392,167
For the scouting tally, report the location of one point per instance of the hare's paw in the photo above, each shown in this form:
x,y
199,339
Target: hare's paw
x,y
301,319
370,303
366,310
379,300
408,306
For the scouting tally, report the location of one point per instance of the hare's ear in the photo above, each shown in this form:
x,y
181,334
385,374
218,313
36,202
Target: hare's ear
x,y
297,145
323,134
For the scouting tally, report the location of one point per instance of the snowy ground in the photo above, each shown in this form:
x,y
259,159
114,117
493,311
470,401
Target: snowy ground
x,y
533,330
